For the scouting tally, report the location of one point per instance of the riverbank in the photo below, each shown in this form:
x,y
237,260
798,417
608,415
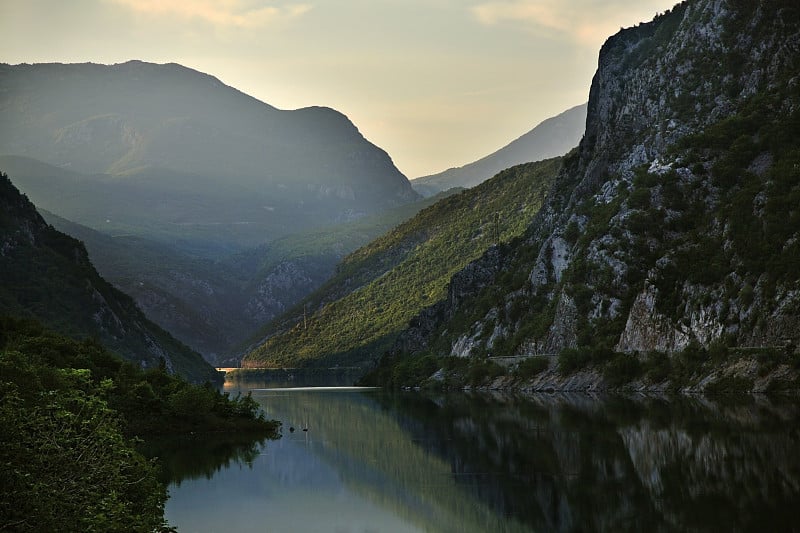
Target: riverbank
x,y
694,370
746,375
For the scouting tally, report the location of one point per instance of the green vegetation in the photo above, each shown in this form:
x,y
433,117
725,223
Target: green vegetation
x,y
483,370
412,371
380,287
531,367
621,369
665,371
572,359
686,368
457,372
47,276
727,232
68,413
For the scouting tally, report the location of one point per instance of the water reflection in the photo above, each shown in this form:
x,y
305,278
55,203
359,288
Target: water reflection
x,y
246,379
183,458
371,461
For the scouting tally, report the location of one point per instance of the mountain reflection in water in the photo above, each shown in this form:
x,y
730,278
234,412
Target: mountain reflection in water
x,y
374,461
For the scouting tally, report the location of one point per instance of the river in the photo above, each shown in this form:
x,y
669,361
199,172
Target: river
x,y
364,460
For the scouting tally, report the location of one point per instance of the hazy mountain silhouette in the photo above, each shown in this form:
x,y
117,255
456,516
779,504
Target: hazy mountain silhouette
x,y
167,147
553,137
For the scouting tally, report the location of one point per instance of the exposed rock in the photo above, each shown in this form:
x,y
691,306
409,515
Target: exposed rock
x,y
562,333
278,290
647,329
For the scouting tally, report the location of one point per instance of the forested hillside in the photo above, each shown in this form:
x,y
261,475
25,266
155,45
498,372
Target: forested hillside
x,y
216,212
71,421
354,317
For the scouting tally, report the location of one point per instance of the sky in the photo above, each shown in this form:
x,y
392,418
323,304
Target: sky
x,y
435,83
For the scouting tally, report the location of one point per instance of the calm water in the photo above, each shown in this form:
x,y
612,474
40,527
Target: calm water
x,y
377,462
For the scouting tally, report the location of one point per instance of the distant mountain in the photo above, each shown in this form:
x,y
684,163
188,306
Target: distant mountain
x,y
167,151
357,314
213,210
553,137
198,301
214,305
47,275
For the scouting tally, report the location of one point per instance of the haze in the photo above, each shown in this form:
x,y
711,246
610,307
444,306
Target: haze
x,y
436,83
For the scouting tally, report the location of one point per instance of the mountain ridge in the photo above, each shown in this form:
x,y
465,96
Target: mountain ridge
x,y
213,305
376,289
169,136
552,137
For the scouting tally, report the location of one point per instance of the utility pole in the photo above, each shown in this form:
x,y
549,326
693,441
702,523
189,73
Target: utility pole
x,y
305,321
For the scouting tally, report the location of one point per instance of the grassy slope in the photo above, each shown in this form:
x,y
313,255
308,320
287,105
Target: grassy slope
x,y
378,288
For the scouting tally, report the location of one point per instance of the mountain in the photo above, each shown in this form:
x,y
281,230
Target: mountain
x,y
214,305
166,151
377,289
47,276
197,300
674,229
213,210
553,137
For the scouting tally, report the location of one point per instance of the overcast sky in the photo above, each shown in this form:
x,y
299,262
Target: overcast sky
x,y
436,83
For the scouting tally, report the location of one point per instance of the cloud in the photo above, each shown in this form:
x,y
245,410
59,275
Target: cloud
x,y
220,13
588,22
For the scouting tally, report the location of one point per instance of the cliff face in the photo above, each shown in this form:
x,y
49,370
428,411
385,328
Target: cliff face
x,y
675,221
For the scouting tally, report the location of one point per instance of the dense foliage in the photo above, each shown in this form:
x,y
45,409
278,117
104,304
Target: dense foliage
x,y
68,412
377,289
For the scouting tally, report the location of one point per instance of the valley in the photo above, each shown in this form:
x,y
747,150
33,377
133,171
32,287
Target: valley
x,y
216,314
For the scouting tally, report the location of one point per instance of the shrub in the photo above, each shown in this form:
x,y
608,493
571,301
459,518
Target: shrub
x,y
413,370
730,384
622,369
531,367
572,232
483,370
639,199
657,367
571,360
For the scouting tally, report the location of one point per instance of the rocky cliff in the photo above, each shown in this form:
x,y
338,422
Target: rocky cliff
x,y
675,222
